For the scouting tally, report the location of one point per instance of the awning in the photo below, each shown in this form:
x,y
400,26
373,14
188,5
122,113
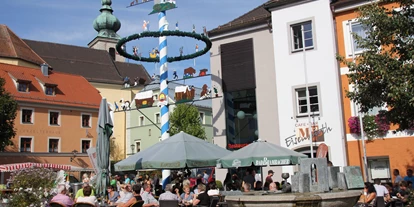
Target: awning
x,y
18,166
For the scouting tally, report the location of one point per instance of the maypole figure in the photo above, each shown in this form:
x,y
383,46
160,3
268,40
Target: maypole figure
x,y
205,31
194,29
181,51
135,50
175,76
176,26
196,49
145,26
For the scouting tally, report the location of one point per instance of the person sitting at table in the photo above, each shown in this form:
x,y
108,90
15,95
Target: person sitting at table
x,y
147,197
112,195
404,192
61,197
125,194
188,196
136,189
201,199
168,195
87,197
79,193
213,190
368,198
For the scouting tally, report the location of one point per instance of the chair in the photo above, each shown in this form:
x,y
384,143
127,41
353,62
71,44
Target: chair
x,y
83,205
214,200
168,203
56,204
379,201
137,204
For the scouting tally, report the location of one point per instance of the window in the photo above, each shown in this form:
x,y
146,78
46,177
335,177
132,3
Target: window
x,y
149,132
155,97
54,118
202,121
138,146
25,144
54,145
357,29
50,90
27,116
23,86
352,27
302,107
141,121
86,120
157,118
300,33
85,145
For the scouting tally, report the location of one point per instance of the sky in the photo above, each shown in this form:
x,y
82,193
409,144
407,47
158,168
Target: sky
x,y
70,22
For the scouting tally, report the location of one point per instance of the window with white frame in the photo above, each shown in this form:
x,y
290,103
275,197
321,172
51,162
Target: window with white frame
x,y
23,86
302,101
302,33
53,145
141,121
86,120
27,116
202,120
350,28
25,144
54,118
157,118
138,146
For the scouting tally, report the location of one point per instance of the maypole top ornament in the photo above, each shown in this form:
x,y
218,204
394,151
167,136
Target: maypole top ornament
x,y
177,33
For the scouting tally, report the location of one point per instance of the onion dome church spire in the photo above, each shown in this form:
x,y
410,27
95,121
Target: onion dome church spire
x,y
106,24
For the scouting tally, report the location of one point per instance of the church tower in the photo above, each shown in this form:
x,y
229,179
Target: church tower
x,y
106,24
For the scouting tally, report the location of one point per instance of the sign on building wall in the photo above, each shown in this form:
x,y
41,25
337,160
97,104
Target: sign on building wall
x,y
302,134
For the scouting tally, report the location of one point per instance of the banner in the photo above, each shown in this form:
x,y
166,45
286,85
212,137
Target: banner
x,y
92,156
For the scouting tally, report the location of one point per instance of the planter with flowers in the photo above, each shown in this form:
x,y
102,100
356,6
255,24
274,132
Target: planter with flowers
x,y
32,187
374,126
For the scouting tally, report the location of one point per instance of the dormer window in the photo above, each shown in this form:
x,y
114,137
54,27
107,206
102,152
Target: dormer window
x,y
23,86
50,90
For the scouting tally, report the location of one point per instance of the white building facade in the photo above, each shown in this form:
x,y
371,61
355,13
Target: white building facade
x,y
304,56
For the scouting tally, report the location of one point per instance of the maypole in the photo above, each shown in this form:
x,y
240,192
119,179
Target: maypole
x,y
160,7
165,119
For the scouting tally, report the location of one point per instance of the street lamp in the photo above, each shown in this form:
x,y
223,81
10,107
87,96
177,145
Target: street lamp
x,y
132,149
74,152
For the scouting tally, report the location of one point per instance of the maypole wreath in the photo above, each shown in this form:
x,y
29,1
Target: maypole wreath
x,y
176,33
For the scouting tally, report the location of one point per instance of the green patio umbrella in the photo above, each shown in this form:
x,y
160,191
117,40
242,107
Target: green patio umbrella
x,y
261,153
104,130
179,151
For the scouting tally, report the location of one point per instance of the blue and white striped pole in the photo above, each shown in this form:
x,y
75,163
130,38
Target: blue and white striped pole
x,y
165,119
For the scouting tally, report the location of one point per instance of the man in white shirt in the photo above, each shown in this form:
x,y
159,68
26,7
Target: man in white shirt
x,y
168,195
382,191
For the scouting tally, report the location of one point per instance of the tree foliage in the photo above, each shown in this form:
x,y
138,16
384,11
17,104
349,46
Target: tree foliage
x,y
384,73
8,107
186,118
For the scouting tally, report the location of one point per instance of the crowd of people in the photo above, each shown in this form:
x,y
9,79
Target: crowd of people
x,y
390,194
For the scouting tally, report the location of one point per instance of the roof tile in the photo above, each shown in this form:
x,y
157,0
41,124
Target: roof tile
x,y
13,47
256,16
73,90
95,65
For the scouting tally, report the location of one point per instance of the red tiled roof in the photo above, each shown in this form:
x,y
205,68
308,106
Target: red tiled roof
x,y
11,46
46,80
72,90
19,76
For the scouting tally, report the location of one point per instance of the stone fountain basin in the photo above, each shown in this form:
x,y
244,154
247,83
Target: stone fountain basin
x,y
330,199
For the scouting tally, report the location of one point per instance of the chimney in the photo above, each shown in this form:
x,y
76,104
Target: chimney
x,y
45,69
